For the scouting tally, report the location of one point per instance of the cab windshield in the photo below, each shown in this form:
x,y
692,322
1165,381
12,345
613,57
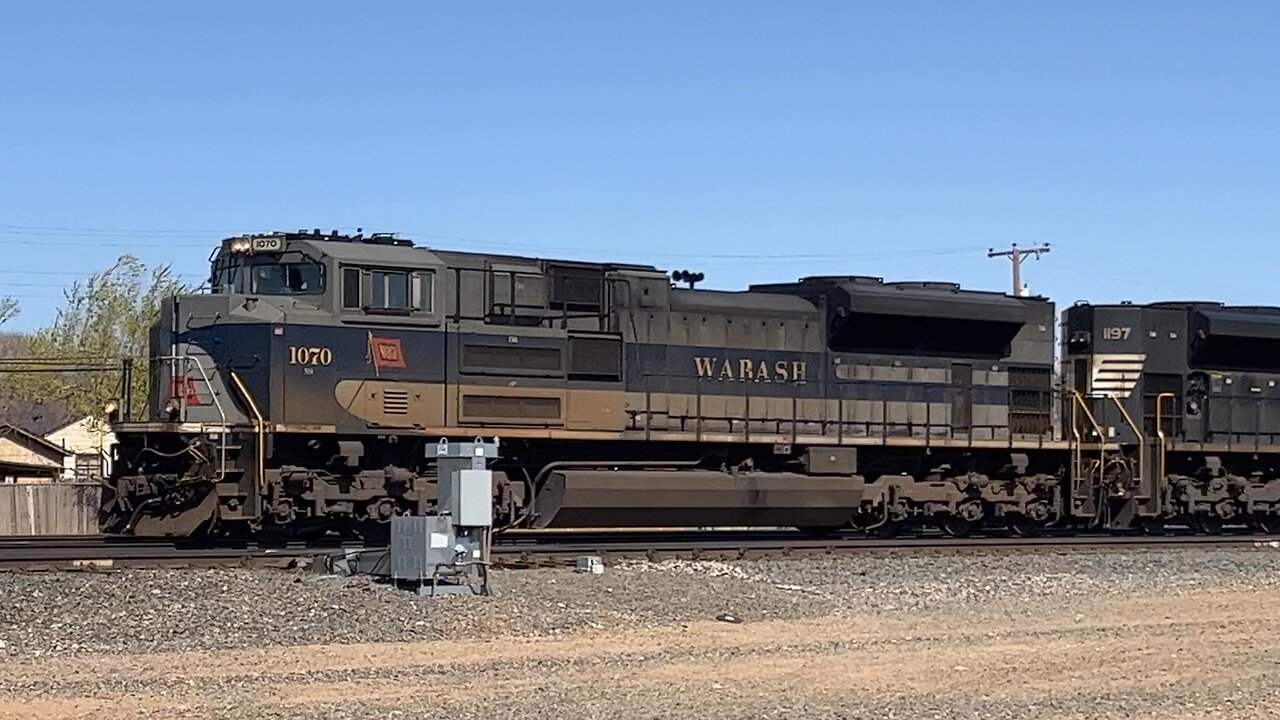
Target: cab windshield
x,y
304,278
265,277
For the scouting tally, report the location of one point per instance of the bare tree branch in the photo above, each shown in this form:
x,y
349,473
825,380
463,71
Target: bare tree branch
x,y
9,309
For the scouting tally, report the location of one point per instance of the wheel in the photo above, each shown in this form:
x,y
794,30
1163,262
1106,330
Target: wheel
x,y
1207,524
1152,525
374,533
955,526
1265,523
887,529
310,530
1023,526
821,531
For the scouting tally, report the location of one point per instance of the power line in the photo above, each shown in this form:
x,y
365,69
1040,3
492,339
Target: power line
x,y
7,284
92,237
72,273
88,243
910,253
189,232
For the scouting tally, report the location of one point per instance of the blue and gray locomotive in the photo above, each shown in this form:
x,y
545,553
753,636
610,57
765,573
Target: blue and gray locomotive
x,y
302,392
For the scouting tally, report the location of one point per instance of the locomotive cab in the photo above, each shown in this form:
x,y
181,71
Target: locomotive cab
x,y
262,266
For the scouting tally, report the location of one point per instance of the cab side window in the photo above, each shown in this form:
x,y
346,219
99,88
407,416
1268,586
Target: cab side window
x,y
381,290
351,296
390,290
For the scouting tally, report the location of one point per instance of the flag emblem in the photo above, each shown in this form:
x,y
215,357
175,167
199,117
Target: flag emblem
x,y
386,352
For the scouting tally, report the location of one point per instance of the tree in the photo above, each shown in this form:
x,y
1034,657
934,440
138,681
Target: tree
x,y
106,320
9,309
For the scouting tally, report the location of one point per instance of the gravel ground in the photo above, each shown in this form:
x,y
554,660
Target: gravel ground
x,y
973,635
166,610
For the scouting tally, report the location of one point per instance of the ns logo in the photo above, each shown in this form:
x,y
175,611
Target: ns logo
x,y
754,370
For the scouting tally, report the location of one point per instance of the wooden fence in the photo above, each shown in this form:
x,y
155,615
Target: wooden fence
x,y
49,509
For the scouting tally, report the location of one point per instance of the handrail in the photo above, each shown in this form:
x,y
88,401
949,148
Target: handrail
x,y
213,395
1102,445
1160,433
217,404
1137,431
260,430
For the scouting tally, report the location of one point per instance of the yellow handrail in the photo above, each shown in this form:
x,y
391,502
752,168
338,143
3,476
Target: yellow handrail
x,y
1137,431
1160,433
260,430
1077,454
1102,445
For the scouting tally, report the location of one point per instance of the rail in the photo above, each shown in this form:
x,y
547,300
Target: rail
x,y
528,548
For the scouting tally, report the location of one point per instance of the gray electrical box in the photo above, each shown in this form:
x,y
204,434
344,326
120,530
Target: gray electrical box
x,y
465,487
472,498
420,546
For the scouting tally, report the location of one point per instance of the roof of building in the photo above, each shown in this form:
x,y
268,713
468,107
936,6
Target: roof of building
x,y
8,467
40,418
10,429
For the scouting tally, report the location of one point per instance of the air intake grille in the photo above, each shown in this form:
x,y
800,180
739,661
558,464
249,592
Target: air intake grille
x,y
395,402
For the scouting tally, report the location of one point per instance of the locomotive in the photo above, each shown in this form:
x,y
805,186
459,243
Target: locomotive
x,y
301,393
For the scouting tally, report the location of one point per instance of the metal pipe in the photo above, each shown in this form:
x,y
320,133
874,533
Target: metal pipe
x,y
562,464
137,515
1160,433
261,430
1137,431
1102,447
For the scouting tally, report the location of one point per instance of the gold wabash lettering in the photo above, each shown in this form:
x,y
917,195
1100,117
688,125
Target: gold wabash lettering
x,y
798,370
762,375
706,366
726,371
751,369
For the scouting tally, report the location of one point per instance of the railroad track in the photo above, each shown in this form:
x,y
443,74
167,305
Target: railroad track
x,y
533,548
90,552
747,546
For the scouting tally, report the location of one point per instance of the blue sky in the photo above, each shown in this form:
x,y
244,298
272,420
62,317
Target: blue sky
x,y
751,141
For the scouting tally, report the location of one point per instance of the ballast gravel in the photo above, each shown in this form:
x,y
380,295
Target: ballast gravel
x,y
706,639
206,609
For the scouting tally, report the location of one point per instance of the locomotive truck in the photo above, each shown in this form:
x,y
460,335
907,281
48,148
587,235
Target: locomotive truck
x,y
299,395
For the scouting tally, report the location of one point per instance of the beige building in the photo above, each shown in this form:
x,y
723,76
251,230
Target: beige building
x,y
87,442
28,458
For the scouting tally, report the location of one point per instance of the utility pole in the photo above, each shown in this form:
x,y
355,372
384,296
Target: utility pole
x,y
1016,255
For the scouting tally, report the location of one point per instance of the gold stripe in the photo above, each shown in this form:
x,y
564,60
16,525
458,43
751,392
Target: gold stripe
x,y
674,417
303,428
430,406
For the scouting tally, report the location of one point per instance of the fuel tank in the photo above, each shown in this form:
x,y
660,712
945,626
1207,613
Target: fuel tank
x,y
694,498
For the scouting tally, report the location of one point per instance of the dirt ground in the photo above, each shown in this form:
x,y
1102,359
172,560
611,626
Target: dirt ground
x,y
1198,654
